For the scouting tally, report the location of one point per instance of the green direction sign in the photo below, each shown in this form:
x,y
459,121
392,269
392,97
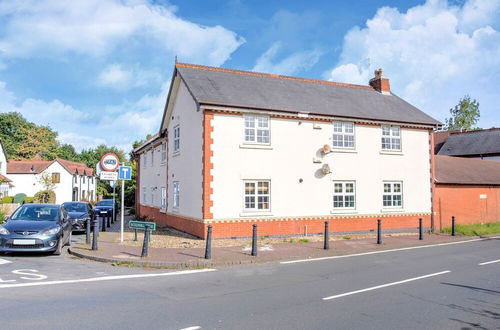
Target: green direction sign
x,y
141,225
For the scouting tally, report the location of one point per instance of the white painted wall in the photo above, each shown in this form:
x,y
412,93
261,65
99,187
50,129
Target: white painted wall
x,y
29,185
294,144
184,166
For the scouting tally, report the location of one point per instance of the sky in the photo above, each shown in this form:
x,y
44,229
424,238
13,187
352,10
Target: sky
x,y
98,71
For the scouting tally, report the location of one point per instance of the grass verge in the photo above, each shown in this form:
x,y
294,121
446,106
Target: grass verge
x,y
475,230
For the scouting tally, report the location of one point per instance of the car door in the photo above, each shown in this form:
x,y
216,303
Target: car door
x,y
65,223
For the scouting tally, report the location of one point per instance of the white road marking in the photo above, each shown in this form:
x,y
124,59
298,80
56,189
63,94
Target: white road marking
x,y
106,278
196,327
489,262
385,285
385,251
3,261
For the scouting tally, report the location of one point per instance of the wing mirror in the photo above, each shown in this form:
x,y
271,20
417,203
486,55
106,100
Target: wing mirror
x,y
6,218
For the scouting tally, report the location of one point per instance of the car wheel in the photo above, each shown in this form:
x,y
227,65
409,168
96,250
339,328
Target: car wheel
x,y
58,250
68,243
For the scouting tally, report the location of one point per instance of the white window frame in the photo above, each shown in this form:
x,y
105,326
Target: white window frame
x,y
177,139
163,198
392,194
256,129
343,194
341,130
391,141
144,159
256,196
144,195
176,186
163,153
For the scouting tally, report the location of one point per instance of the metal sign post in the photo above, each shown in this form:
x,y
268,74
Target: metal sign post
x,y
124,173
122,211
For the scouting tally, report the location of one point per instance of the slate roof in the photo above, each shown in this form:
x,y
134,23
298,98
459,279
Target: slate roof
x,y
217,86
466,171
481,142
38,166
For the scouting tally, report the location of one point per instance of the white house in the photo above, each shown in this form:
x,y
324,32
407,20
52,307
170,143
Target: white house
x,y
5,182
237,148
73,181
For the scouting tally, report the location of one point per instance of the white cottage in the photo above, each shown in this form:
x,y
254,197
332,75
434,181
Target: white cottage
x,y
5,182
73,181
237,148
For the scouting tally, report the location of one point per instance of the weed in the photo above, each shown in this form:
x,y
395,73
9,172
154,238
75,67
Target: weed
x,y
304,240
346,237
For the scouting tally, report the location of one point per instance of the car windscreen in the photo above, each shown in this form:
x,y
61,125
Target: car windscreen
x,y
75,207
105,203
36,213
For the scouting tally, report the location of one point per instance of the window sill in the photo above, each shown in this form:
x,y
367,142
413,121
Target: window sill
x,y
389,152
175,210
345,211
346,150
256,146
163,210
392,210
255,214
175,154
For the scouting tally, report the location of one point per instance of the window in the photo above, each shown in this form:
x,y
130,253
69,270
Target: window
x,y
393,194
163,198
257,195
152,157
344,195
56,177
74,176
83,178
391,138
83,194
145,159
144,195
163,152
343,135
177,192
257,129
177,138
91,195
152,195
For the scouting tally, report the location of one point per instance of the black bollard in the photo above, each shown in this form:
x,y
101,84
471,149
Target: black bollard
x,y
103,226
135,235
326,244
420,229
254,241
87,231
208,248
96,232
379,231
146,242
453,226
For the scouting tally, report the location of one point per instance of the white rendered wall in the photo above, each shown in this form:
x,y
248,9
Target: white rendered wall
x,y
153,175
293,147
3,162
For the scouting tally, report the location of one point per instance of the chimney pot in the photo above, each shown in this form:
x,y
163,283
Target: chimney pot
x,y
380,83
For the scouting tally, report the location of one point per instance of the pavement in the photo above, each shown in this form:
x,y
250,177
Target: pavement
x,y
113,252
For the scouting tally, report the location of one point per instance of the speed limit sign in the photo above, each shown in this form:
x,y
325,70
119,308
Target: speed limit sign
x,y
110,162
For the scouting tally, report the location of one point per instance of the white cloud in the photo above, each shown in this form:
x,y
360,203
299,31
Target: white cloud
x,y
433,54
45,28
116,77
292,64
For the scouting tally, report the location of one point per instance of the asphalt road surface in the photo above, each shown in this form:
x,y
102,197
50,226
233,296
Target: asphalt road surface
x,y
455,286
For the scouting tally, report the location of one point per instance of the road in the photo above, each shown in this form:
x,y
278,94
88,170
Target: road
x,y
453,286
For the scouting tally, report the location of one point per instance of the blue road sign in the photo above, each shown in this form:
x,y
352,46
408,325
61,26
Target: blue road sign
x,y
124,173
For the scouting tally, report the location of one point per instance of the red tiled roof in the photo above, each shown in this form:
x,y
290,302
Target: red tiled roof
x,y
3,178
467,171
38,166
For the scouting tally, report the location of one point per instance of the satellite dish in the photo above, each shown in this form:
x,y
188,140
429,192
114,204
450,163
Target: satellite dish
x,y
325,169
326,149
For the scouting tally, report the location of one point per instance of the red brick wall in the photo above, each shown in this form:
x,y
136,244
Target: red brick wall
x,y
464,203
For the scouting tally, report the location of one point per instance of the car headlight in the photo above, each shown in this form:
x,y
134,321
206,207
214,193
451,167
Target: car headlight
x,y
4,231
52,231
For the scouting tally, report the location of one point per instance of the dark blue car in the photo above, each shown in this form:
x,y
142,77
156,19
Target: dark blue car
x,y
104,208
79,213
36,228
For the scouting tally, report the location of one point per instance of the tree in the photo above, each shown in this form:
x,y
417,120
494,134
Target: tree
x,y
464,115
45,180
67,151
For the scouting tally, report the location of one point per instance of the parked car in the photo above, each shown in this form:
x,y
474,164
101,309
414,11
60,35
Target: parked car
x,y
36,228
104,208
79,213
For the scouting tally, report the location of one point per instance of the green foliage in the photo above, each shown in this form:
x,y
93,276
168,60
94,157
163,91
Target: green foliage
x,y
45,196
19,198
45,180
464,115
67,151
475,230
7,200
28,200
2,215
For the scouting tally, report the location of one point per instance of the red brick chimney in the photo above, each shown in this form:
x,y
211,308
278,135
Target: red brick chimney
x,y
380,83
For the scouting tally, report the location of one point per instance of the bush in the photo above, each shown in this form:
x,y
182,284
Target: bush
x,y
2,216
45,196
28,200
19,198
7,200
